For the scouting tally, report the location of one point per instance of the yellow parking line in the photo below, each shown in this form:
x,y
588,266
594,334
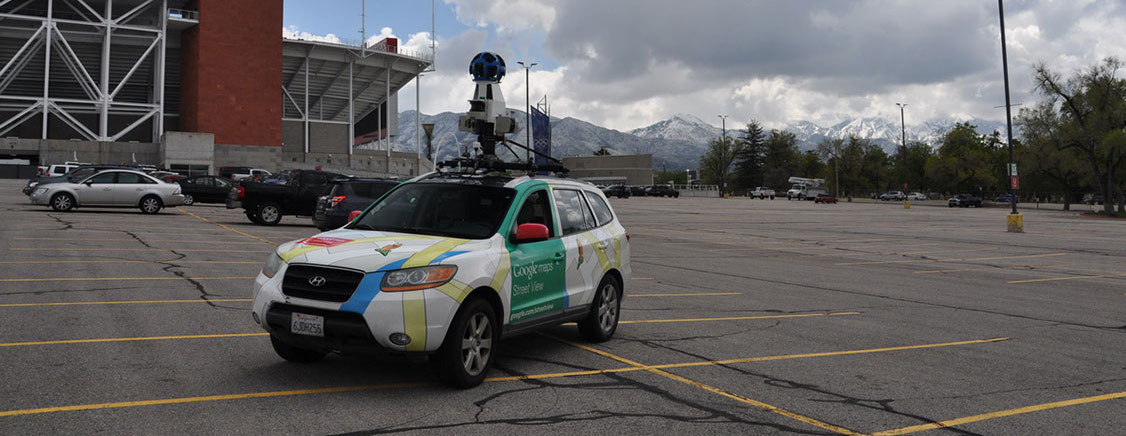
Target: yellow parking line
x,y
712,389
92,279
229,228
1056,279
143,338
47,262
1001,414
735,318
488,380
199,250
686,294
1029,256
93,303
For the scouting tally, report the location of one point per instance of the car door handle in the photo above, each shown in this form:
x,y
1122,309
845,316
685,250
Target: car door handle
x,y
601,245
560,256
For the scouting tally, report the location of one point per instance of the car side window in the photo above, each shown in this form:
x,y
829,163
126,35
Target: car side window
x,y
537,210
313,179
219,182
601,209
204,181
103,178
123,178
574,216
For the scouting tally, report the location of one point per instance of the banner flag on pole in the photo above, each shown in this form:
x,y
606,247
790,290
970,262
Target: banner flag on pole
x,y
541,136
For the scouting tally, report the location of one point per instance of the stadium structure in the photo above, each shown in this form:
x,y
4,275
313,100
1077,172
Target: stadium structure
x,y
195,85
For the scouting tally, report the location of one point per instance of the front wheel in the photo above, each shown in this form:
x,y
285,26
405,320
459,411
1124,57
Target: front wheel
x,y
151,204
188,200
269,214
469,348
62,202
295,354
600,324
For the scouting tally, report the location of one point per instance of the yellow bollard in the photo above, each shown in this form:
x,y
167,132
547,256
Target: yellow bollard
x,y
1016,223
906,204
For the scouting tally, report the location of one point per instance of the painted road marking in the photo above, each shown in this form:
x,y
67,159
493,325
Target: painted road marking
x,y
102,279
400,385
1001,414
1056,279
735,318
712,389
1029,256
686,294
93,303
32,262
199,250
242,335
264,240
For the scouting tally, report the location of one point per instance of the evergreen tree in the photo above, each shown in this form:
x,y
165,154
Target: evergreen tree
x,y
750,161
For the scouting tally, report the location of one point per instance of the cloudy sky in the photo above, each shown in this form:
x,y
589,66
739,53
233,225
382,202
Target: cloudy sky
x,y
629,63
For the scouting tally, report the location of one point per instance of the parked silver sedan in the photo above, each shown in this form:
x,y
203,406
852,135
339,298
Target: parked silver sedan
x,y
111,188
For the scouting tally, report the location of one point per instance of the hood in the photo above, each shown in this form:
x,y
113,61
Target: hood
x,y
368,250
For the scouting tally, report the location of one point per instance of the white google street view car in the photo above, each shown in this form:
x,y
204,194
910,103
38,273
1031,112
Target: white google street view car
x,y
446,265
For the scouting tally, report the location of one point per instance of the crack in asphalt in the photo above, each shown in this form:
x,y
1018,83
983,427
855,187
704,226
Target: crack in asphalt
x,y
66,291
67,225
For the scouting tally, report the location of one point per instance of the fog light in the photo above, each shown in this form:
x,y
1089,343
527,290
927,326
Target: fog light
x,y
400,339
255,316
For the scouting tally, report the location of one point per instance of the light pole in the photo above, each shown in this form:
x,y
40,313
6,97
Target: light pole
x,y
723,151
527,107
1016,221
903,151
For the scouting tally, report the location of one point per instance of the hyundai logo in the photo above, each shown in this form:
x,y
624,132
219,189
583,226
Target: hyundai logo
x,y
317,281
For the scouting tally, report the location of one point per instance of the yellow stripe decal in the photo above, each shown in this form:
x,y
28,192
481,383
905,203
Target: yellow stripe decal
x,y
601,252
424,257
302,249
502,272
455,290
414,319
618,251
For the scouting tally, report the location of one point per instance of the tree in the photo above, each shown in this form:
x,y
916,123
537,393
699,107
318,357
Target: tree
x,y
602,152
964,162
677,177
715,165
1045,156
781,159
910,164
750,161
1092,113
832,150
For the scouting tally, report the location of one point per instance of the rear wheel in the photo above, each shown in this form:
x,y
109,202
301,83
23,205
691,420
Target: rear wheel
x,y
253,217
62,202
295,354
269,214
188,200
467,352
151,204
600,324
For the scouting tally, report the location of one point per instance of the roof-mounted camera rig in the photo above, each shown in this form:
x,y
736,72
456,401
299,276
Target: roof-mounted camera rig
x,y
490,120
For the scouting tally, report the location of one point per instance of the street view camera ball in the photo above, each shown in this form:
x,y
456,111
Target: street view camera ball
x,y
487,67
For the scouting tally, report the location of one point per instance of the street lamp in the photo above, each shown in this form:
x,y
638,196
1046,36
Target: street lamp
x,y
527,107
1016,220
903,151
723,151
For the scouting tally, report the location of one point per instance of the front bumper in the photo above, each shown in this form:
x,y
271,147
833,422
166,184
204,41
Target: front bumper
x,y
175,200
39,198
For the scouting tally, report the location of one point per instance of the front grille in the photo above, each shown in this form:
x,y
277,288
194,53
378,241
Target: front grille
x,y
339,284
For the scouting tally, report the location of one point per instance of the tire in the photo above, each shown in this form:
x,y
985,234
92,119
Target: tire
x,y
296,354
151,204
602,321
268,214
253,217
470,346
771,197
62,202
950,205
188,200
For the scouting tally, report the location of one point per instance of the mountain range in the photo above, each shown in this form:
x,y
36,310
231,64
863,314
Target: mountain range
x,y
677,142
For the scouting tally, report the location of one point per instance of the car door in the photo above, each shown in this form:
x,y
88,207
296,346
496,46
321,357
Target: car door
x,y
129,188
219,189
606,238
538,285
97,189
575,219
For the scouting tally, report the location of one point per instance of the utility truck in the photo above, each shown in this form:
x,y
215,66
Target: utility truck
x,y
805,189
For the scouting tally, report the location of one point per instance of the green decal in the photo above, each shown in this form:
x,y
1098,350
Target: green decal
x,y
538,279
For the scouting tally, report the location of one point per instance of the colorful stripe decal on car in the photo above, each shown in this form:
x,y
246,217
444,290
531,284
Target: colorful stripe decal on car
x,y
424,257
414,319
502,272
455,290
447,255
618,252
302,248
602,257
368,289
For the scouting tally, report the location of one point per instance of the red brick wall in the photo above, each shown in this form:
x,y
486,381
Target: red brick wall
x,y
231,72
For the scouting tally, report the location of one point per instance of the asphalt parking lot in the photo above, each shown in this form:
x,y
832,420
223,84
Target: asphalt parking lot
x,y
745,316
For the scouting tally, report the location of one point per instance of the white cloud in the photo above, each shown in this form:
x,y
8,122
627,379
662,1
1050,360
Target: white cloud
x,y
506,15
292,32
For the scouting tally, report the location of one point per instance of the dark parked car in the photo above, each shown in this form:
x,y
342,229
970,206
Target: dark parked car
x,y
661,191
1095,199
347,195
825,198
617,191
205,189
964,200
1005,198
637,191
266,203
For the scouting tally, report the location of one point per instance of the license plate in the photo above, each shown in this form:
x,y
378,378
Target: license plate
x,y
311,325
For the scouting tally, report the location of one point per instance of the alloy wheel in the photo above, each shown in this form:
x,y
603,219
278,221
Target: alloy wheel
x,y
608,310
476,344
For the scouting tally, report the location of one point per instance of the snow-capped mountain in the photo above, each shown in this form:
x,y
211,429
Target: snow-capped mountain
x,y
677,142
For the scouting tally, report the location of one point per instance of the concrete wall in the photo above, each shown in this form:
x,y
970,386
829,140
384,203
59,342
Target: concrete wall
x,y
268,158
323,137
56,151
636,169
293,136
187,148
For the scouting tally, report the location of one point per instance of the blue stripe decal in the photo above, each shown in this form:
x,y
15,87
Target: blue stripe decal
x,y
447,255
368,289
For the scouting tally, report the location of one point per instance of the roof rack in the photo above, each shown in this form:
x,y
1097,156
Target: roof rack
x,y
492,163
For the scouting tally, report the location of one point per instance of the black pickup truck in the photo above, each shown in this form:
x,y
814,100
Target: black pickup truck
x,y
266,203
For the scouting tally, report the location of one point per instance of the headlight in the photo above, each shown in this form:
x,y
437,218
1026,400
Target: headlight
x,y
413,279
273,264
33,184
41,190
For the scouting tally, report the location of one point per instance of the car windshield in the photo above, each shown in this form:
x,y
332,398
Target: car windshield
x,y
460,211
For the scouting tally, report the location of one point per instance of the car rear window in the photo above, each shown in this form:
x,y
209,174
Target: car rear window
x,y
371,190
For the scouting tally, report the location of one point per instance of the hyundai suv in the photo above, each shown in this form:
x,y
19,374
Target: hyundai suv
x,y
447,265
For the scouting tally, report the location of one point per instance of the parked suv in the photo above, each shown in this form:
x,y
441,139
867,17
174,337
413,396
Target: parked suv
x,y
447,266
893,196
345,196
964,200
662,191
619,191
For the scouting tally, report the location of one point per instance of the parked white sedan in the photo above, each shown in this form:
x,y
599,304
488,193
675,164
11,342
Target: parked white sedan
x,y
112,188
916,196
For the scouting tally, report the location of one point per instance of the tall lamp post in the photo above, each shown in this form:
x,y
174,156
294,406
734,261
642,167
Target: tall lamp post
x,y
903,151
527,107
1015,221
723,152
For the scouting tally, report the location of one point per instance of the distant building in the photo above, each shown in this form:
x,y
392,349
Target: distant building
x,y
633,169
193,85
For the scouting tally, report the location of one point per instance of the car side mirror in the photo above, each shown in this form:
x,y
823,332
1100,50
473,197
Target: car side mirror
x,y
88,183
354,214
531,232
